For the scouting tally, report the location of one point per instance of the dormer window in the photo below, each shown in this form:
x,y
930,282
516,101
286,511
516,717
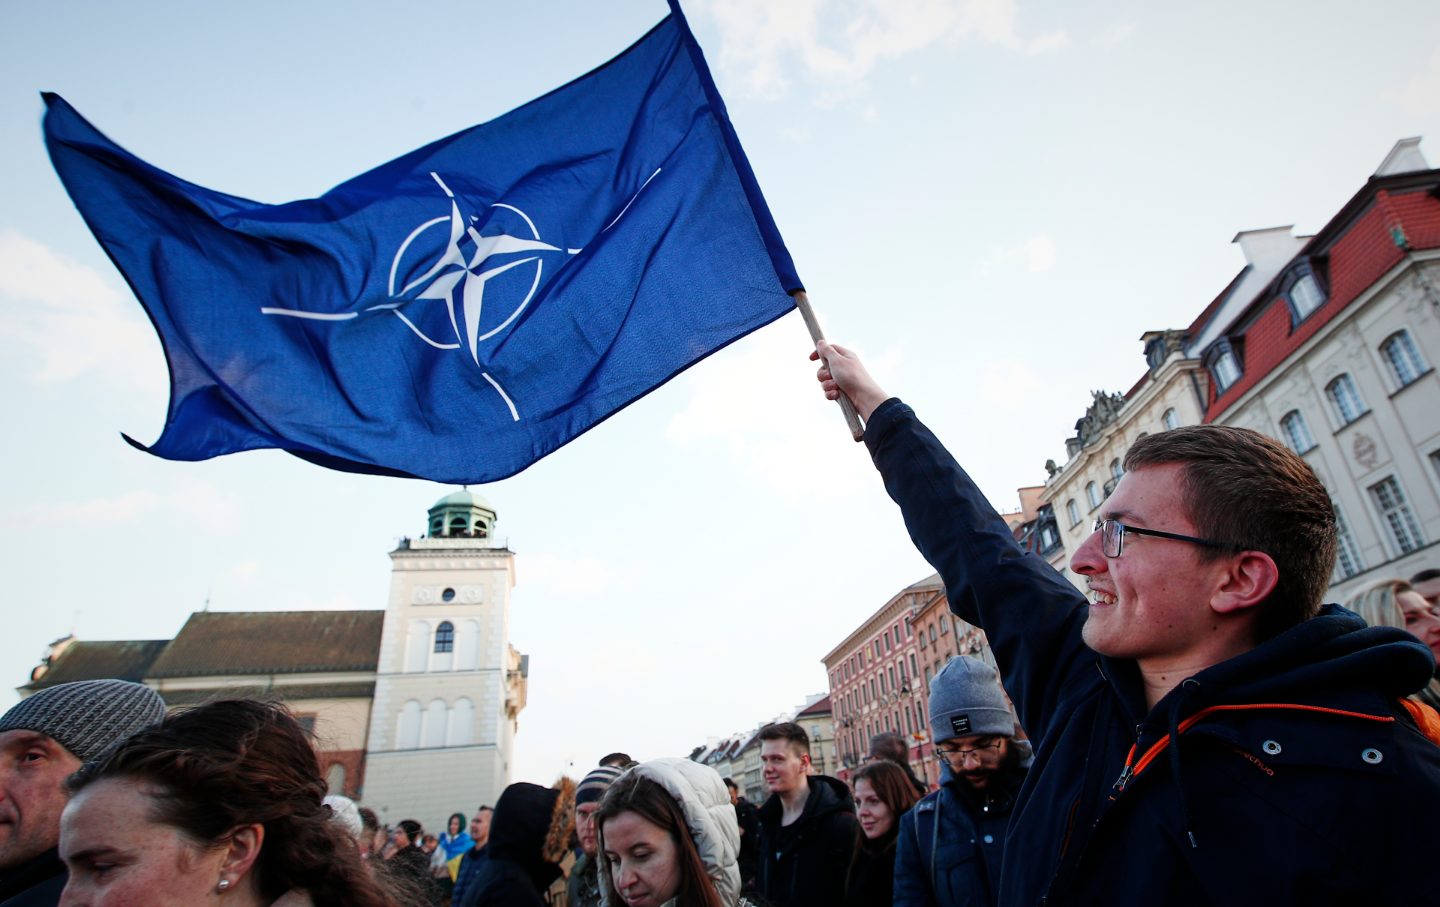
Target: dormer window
x,y
1302,292
1224,366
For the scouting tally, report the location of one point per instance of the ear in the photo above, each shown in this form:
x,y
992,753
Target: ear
x,y
242,852
1249,578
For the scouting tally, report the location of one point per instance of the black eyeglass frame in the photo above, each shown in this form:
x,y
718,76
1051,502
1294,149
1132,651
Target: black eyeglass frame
x,y
1173,536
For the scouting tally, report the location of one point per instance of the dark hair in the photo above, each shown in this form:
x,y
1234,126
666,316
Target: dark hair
x,y
368,820
616,760
891,785
1250,491
730,783
788,731
456,817
891,747
412,829
632,793
239,762
1425,576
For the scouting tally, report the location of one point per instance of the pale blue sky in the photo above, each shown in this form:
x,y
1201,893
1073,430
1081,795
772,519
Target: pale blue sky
x,y
991,200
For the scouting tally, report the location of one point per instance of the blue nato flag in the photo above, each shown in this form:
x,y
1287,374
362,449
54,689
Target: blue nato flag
x,y
463,310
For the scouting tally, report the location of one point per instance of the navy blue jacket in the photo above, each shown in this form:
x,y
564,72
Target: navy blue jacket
x,y
1286,775
952,843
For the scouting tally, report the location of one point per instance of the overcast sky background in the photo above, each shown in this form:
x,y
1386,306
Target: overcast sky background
x,y
991,200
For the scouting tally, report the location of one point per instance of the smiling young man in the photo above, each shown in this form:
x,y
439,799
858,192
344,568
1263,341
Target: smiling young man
x,y
1206,732
807,824
43,740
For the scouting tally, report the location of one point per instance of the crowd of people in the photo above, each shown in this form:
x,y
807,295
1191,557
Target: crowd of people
x,y
1200,730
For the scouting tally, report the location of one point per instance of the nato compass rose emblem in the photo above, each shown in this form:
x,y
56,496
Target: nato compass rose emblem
x,y
466,264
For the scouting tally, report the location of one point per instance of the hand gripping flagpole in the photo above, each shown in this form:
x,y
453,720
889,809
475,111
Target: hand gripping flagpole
x,y
852,418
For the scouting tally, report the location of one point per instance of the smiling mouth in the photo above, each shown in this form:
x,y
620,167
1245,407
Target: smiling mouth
x,y
1102,598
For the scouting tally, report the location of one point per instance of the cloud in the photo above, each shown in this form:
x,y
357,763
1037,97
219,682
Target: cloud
x,y
836,43
1117,33
73,318
188,502
1421,95
1036,255
758,401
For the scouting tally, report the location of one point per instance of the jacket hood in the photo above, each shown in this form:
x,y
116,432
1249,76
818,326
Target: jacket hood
x,y
1333,658
705,803
531,827
827,795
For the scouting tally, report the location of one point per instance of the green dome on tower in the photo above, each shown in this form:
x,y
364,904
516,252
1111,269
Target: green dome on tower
x,y
462,514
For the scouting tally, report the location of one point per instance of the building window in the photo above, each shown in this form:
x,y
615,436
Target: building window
x,y
913,672
1049,539
1225,369
445,637
1402,358
1171,419
1395,512
1347,555
1117,472
1092,494
1072,510
1345,399
1305,297
1297,433
944,626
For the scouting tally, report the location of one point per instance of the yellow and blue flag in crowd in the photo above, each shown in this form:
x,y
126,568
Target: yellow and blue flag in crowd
x,y
463,310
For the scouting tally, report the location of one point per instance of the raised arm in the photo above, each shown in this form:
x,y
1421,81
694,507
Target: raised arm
x,y
1031,615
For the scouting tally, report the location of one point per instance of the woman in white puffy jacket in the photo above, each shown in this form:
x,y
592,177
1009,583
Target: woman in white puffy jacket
x,y
668,838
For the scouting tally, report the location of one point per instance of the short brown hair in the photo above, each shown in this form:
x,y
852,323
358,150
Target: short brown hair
x,y
788,731
1250,491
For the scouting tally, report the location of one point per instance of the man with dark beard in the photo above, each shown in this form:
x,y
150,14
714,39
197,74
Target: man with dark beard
x,y
952,841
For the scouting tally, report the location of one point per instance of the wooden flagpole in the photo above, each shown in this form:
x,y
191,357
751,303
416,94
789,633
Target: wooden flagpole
x,y
852,418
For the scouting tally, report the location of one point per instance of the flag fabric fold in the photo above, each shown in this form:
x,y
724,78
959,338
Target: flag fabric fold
x,y
463,310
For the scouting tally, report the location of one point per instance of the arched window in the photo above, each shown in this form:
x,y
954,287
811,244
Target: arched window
x,y
1092,494
1117,472
1171,419
445,637
1072,510
1305,297
436,724
458,525
1345,399
462,723
1297,433
407,733
1402,358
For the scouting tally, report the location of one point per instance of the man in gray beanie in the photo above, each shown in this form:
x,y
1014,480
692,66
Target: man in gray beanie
x,y
941,837
43,740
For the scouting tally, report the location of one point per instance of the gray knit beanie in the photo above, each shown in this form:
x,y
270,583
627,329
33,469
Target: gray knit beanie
x,y
87,716
966,699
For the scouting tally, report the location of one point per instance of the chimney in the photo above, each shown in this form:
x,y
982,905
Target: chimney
x,y
1270,248
1405,157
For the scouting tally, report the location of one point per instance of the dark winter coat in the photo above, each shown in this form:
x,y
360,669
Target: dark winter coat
x,y
810,868
469,869
37,883
872,874
515,872
952,843
1289,774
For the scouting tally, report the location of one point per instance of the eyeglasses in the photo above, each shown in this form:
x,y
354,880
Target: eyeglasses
x,y
1113,532
981,751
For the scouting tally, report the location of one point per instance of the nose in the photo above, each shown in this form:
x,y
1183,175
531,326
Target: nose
x,y
1088,559
624,875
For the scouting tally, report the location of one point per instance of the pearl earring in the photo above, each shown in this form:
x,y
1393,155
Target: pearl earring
x,y
224,884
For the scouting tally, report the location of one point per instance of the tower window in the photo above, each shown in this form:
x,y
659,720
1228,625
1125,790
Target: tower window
x,y
459,526
448,596
445,637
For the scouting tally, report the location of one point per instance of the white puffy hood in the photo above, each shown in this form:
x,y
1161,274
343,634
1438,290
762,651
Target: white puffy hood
x,y
705,804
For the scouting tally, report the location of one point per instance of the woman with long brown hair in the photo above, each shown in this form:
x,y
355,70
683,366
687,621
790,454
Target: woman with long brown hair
x,y
218,804
668,835
883,793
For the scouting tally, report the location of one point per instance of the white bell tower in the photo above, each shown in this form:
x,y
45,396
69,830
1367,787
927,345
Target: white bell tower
x,y
448,686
